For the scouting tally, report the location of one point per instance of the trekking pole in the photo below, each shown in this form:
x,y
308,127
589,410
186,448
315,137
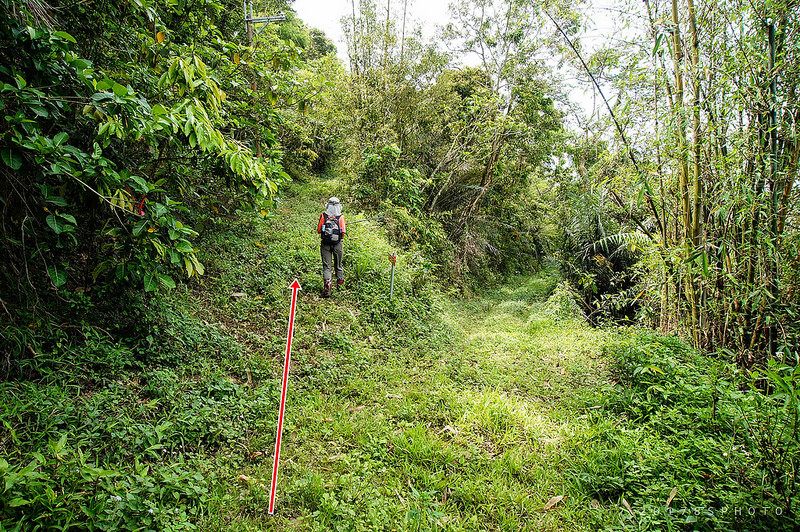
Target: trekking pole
x,y
393,260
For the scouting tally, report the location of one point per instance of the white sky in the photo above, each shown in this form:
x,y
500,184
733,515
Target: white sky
x,y
601,27
327,14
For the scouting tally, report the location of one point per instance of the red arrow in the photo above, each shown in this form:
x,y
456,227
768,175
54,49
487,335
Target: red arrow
x,y
295,286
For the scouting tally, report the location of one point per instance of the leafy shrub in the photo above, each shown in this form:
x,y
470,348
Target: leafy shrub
x,y
382,177
771,416
421,233
599,260
562,303
63,485
676,426
97,174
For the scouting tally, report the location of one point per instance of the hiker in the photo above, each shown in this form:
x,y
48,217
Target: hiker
x,y
331,228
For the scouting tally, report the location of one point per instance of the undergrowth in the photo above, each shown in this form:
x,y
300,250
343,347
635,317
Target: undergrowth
x,y
503,411
128,418
685,440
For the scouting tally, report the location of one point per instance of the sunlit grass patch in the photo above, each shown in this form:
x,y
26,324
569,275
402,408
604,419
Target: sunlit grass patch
x,y
497,345
512,307
420,445
503,421
529,289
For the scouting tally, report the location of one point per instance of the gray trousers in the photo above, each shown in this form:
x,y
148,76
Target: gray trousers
x,y
331,252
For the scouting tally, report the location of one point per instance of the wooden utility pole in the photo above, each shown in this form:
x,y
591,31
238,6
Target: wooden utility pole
x,y
250,22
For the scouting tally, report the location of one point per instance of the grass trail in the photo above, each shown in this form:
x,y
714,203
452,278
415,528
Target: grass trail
x,y
465,421
428,412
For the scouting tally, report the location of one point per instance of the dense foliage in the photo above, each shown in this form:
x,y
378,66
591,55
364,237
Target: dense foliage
x,y
108,149
703,181
144,429
677,421
162,166
110,158
447,153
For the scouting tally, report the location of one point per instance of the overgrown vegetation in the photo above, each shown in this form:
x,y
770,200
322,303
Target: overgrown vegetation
x,y
683,440
150,431
705,180
163,164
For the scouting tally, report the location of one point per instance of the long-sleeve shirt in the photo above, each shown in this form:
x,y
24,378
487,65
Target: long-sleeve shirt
x,y
342,224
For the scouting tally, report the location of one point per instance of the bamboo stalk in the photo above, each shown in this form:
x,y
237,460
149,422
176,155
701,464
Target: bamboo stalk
x,y
696,184
677,48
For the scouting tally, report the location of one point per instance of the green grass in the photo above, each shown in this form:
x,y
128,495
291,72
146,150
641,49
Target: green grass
x,y
424,412
462,419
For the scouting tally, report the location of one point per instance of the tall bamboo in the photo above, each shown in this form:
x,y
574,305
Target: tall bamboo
x,y
696,134
683,167
683,170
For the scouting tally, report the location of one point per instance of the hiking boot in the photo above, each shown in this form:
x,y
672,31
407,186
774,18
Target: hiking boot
x,y
326,290
340,282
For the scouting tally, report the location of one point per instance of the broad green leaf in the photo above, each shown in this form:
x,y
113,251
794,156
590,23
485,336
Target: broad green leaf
x,y
119,90
57,275
40,111
198,266
69,218
57,200
150,283
66,36
184,246
60,138
54,224
11,158
140,185
138,227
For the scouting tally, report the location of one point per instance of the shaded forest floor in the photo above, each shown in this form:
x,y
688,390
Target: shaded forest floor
x,y
501,411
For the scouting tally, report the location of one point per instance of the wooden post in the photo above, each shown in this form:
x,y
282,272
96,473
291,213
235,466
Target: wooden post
x,y
393,260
